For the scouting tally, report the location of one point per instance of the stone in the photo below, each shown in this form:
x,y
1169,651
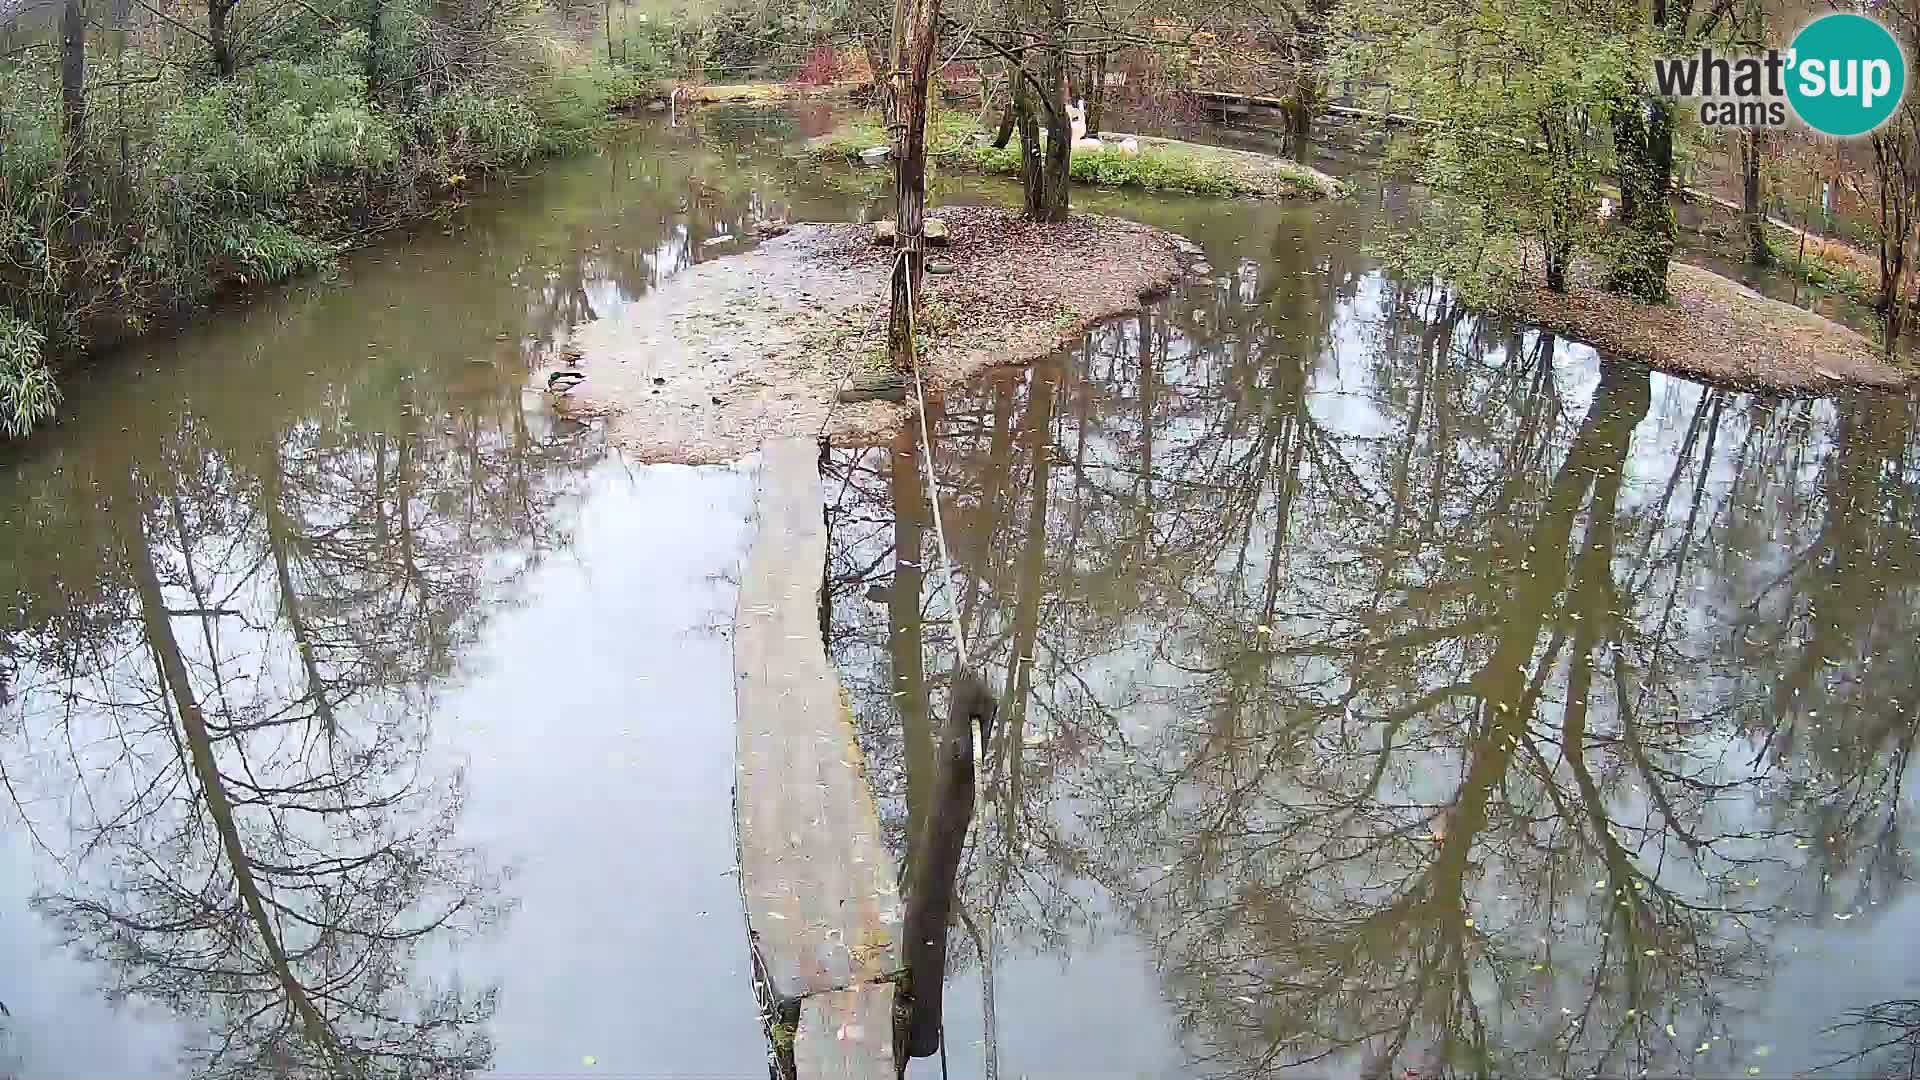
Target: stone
x,y
939,266
889,387
935,231
874,155
883,232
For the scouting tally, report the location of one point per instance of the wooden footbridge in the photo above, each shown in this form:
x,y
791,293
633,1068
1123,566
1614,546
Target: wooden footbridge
x,y
823,908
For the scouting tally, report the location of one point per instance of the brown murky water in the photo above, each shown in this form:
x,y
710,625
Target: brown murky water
x,y
1399,693
1401,690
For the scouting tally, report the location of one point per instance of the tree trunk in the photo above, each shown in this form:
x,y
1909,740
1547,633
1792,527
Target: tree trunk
x,y
1891,148
914,22
1003,134
376,9
1054,177
1096,93
73,116
217,37
1753,211
1033,180
1643,143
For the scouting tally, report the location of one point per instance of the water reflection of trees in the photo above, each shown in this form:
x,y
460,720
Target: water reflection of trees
x,y
220,729
1418,691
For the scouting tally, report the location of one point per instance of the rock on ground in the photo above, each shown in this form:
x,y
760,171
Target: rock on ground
x,y
753,346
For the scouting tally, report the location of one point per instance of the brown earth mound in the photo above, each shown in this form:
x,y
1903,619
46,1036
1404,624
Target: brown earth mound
x,y
755,346
1718,330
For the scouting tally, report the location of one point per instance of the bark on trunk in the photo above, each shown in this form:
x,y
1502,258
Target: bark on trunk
x,y
1753,212
1643,143
1033,180
1891,149
375,10
1096,94
1059,159
1003,134
913,69
73,118
217,37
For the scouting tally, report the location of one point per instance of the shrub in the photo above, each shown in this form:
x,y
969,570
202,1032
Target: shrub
x,y
570,107
28,393
474,129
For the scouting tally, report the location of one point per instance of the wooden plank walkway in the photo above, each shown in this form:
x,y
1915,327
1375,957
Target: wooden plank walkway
x,y
823,909
847,1033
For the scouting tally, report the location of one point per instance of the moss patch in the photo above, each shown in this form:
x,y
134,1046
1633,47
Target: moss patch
x,y
955,141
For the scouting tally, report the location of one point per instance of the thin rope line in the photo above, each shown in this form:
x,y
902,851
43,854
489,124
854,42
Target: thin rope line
x,y
926,460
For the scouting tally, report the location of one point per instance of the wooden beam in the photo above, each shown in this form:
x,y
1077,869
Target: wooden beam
x,y
819,885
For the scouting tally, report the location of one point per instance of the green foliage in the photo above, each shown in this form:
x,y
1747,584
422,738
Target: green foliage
x,y
263,251
196,184
473,128
953,140
1521,96
28,393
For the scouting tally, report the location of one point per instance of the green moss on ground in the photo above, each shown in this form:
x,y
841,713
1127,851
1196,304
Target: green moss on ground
x,y
954,141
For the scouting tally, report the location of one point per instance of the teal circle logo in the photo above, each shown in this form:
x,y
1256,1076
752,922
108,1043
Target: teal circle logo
x,y
1846,74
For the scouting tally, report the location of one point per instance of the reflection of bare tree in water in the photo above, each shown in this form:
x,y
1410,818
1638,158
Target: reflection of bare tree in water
x,y
1420,736
1888,1041
261,836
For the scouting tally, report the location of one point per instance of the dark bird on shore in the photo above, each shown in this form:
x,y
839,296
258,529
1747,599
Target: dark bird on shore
x,y
562,381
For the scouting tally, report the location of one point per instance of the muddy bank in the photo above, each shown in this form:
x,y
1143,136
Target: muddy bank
x,y
1719,331
743,349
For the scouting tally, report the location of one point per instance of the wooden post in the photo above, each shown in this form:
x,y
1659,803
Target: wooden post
x,y
913,31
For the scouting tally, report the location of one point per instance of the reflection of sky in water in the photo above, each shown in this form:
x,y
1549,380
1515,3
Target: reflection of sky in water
x,y
601,763
60,1028
586,632
1692,558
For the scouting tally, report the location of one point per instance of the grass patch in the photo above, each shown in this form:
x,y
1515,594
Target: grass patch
x,y
1828,267
954,141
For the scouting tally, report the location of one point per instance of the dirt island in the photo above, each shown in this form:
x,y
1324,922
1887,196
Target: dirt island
x,y
757,345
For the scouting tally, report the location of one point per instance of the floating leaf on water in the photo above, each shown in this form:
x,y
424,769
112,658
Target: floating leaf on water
x,y
1762,1051
1843,918
1653,952
1672,1034
1703,1048
589,1061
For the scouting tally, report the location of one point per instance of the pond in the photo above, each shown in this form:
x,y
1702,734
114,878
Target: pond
x,y
1386,688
